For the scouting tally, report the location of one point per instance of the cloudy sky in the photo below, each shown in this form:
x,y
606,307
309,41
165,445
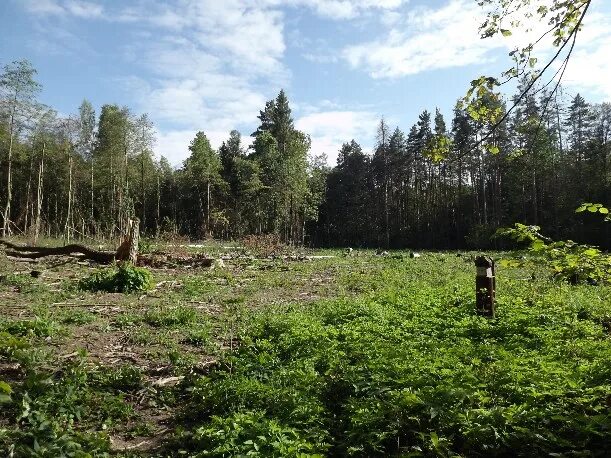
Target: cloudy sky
x,y
211,64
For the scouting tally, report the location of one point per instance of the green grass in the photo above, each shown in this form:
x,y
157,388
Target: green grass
x,y
347,356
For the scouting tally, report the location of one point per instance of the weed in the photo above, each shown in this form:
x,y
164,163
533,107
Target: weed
x,y
122,379
78,317
199,337
122,278
173,317
9,344
37,327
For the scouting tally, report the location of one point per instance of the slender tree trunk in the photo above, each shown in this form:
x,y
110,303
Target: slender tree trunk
x,y
143,192
157,222
6,228
112,196
91,185
535,213
28,202
68,225
208,208
39,193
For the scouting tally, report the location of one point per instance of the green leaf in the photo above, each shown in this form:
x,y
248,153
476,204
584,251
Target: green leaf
x,y
493,149
603,210
506,33
435,439
5,388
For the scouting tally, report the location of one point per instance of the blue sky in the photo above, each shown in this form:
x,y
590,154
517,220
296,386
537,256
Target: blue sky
x,y
211,64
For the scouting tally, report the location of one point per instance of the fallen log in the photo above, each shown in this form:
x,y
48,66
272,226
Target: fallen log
x,y
127,251
36,252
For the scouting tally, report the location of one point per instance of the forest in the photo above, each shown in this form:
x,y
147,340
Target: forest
x,y
436,186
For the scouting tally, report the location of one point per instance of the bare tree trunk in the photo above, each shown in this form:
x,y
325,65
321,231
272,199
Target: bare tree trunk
x,y
133,237
39,193
125,193
91,209
6,229
28,202
208,209
158,205
535,213
112,197
68,225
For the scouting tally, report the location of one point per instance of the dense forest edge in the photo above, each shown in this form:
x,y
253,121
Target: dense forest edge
x,y
84,175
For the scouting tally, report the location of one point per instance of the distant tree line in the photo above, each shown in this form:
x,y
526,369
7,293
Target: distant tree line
x,y
438,186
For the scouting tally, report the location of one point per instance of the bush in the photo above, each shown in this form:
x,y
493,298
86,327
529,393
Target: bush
x,y
569,261
122,278
264,245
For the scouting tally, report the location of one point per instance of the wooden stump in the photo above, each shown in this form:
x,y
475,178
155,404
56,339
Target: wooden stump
x,y
128,250
485,286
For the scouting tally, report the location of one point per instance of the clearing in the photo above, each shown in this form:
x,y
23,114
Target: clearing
x,y
326,355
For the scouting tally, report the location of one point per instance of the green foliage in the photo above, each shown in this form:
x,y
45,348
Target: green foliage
x,y
199,337
22,283
409,368
37,327
392,360
53,415
122,278
5,392
251,434
568,260
170,317
438,147
122,379
594,208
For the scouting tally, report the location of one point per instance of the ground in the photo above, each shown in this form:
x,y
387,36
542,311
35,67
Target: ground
x,y
321,353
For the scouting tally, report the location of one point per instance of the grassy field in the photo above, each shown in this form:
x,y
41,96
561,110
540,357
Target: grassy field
x,y
360,355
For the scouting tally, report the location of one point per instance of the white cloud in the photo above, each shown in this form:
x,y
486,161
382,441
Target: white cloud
x,y
448,37
430,39
83,9
214,64
43,7
330,129
340,9
589,67
174,145
78,8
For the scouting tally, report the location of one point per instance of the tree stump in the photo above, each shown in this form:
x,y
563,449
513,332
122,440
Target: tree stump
x,y
128,250
485,286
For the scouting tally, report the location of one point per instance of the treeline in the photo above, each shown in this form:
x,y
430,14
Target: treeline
x,y
438,186
443,186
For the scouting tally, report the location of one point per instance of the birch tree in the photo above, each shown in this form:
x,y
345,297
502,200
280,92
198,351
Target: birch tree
x,y
18,91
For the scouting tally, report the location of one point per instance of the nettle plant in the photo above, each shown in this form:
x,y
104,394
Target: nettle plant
x,y
568,260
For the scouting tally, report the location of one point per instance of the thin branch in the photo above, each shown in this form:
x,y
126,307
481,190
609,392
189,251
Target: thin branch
x,y
571,37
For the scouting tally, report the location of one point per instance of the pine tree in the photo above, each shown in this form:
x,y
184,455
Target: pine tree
x,y
203,169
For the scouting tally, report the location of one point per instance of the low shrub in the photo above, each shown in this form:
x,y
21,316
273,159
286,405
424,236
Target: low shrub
x,y
121,278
